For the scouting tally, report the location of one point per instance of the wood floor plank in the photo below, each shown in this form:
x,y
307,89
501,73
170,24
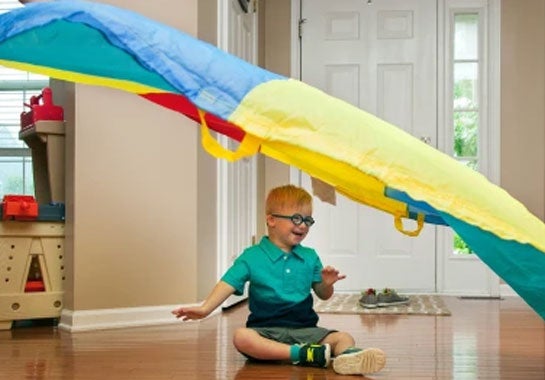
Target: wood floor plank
x,y
483,339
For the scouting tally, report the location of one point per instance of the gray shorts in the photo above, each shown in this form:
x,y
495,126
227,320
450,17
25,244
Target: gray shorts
x,y
290,335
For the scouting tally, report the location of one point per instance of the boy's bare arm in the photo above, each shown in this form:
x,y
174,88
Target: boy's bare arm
x,y
220,293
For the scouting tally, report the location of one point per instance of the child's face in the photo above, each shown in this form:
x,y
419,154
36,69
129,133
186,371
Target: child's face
x,y
284,232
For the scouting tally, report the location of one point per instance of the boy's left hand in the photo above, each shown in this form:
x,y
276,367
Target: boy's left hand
x,y
331,275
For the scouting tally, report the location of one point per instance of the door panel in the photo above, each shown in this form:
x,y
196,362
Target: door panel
x,y
380,57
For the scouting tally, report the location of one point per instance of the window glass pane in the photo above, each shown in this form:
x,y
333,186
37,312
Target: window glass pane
x,y
465,36
466,133
466,91
28,176
11,179
11,106
460,246
13,95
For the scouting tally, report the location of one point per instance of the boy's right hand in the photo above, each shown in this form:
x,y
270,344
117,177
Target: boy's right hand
x,y
188,313
220,293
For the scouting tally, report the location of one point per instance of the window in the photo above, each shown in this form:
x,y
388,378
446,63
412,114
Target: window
x,y
465,107
469,109
466,92
16,88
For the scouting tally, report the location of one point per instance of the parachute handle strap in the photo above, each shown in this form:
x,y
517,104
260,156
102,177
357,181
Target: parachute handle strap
x,y
247,147
420,224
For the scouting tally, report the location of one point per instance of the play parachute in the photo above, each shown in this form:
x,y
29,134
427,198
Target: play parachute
x,y
360,155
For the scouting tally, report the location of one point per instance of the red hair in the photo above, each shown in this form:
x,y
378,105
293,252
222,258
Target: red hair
x,y
286,196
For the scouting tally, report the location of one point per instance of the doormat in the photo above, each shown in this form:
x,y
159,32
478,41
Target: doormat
x,y
347,303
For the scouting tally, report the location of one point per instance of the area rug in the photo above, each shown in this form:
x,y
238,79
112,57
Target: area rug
x,y
347,303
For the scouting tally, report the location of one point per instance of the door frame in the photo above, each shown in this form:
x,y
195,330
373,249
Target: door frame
x,y
492,135
231,238
446,260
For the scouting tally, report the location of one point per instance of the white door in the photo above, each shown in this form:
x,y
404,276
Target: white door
x,y
380,56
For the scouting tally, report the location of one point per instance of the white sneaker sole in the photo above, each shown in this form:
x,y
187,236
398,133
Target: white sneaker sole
x,y
327,355
369,305
394,303
370,360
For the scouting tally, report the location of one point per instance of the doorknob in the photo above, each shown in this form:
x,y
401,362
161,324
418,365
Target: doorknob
x,y
426,139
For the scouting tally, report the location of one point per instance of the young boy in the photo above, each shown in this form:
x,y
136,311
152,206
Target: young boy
x,y
282,324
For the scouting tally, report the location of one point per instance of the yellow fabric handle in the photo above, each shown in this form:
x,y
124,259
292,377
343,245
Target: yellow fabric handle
x,y
420,224
248,146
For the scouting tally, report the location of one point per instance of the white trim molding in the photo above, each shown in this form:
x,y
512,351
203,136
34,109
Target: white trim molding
x,y
104,319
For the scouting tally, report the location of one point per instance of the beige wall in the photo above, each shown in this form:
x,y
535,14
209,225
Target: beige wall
x,y
275,35
131,191
206,177
523,102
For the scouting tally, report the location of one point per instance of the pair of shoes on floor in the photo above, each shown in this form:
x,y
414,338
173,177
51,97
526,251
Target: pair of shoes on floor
x,y
388,297
360,362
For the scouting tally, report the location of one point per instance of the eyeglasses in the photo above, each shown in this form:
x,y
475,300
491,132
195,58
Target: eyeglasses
x,y
297,219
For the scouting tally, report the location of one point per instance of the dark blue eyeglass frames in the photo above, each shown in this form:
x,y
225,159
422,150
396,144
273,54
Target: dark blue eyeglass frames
x,y
297,219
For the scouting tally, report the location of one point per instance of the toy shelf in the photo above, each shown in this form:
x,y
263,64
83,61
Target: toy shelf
x,y
31,270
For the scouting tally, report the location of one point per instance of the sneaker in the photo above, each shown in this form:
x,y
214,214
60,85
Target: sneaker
x,y
368,299
389,297
361,362
314,355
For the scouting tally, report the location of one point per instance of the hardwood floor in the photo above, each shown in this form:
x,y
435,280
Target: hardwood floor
x,y
483,339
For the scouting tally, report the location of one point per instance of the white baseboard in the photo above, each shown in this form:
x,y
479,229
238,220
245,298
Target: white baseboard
x,y
102,319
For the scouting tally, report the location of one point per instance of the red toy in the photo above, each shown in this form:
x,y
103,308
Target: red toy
x,y
45,111
19,207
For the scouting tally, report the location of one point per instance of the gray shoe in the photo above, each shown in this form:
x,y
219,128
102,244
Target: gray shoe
x,y
368,299
389,297
362,362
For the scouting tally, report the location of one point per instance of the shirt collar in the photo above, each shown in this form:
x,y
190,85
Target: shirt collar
x,y
276,253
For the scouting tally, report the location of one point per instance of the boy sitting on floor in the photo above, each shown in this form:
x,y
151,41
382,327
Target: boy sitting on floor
x,y
282,324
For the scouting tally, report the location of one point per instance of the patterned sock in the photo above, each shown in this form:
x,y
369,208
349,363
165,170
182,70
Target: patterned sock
x,y
294,353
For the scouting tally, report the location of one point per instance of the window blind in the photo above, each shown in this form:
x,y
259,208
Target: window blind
x,y
16,88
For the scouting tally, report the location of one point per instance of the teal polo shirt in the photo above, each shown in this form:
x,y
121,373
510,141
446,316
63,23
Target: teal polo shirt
x,y
280,284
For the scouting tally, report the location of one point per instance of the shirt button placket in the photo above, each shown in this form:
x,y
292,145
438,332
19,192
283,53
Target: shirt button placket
x,y
287,271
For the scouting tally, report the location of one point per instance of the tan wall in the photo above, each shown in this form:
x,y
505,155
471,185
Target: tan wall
x,y
275,34
131,191
207,245
523,102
